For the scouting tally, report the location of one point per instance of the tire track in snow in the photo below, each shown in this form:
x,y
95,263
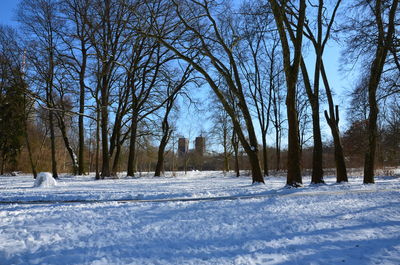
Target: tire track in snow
x,y
217,198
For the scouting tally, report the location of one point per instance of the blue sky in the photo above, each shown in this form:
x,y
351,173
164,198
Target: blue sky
x,y
197,122
7,8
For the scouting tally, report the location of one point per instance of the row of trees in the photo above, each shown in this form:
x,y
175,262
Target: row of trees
x,y
120,65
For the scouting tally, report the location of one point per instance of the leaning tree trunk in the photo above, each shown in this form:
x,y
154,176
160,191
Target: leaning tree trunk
x,y
333,122
313,98
68,145
250,146
161,150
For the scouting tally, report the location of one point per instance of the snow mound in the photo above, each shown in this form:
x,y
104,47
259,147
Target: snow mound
x,y
45,180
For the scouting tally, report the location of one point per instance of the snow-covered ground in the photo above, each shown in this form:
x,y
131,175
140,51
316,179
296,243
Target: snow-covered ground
x,y
139,221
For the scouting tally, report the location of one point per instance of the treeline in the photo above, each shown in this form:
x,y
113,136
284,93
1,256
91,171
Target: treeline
x,y
98,81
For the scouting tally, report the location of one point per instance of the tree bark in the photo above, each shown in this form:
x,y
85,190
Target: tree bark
x,y
333,122
278,150
291,68
97,144
165,138
3,159
117,156
105,171
265,154
235,144
384,43
225,145
68,145
132,146
294,173
317,171
313,97
53,146
28,144
161,150
231,75
82,87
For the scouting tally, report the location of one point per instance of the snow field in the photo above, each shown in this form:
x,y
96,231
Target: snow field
x,y
330,224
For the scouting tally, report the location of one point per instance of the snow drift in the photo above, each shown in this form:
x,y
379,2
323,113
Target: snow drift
x,y
45,180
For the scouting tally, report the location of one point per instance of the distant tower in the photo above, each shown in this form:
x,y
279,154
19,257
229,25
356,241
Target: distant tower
x,y
200,145
183,146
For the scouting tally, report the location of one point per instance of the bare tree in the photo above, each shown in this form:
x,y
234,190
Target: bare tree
x,y
40,21
377,23
107,23
319,40
258,60
291,68
173,88
76,38
196,36
222,131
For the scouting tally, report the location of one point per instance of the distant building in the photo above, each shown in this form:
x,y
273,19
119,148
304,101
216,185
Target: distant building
x,y
183,146
200,145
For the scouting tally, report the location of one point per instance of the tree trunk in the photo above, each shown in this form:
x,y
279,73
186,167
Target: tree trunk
x,y
117,156
341,172
294,172
235,144
81,153
317,171
225,146
333,122
68,145
49,95
291,68
250,147
98,145
278,149
161,150
384,43
369,162
265,154
3,159
105,171
132,147
28,146
313,98
53,146
165,138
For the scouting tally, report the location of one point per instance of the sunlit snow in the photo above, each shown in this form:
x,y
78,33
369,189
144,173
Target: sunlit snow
x,y
199,218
